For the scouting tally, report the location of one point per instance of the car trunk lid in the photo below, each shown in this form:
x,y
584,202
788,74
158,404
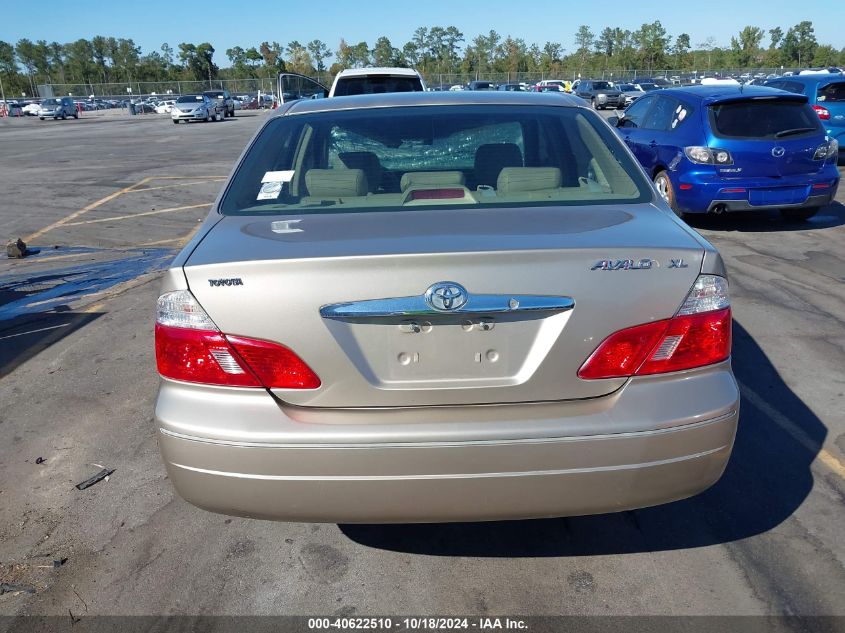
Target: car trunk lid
x,y
587,272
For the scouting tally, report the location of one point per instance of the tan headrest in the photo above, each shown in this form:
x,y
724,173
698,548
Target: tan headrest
x,y
516,179
336,183
427,178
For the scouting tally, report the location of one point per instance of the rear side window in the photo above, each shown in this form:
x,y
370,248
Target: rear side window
x,y
770,119
834,92
793,86
636,112
376,85
660,116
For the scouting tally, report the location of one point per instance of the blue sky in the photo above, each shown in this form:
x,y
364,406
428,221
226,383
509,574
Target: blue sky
x,y
152,22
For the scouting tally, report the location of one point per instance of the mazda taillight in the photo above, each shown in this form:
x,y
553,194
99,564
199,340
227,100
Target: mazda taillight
x,y
699,334
189,347
824,113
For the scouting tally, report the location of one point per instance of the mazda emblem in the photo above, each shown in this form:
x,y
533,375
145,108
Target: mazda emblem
x,y
778,151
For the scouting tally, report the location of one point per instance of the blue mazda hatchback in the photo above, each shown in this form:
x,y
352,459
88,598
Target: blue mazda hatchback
x,y
711,149
826,95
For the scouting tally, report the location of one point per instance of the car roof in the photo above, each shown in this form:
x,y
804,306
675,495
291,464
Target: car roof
x,y
813,78
716,93
378,70
443,98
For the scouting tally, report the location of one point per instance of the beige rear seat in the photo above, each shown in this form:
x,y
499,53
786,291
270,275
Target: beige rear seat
x,y
334,184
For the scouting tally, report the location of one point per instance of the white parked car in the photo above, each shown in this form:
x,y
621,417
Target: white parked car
x,y
164,107
32,109
353,81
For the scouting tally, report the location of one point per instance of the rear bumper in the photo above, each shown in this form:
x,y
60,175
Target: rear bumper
x,y
330,471
697,192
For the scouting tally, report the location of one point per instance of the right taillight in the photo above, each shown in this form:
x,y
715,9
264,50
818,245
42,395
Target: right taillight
x,y
190,348
698,335
824,113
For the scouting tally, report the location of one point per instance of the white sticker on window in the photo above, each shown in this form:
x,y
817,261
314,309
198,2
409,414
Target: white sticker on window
x,y
682,115
278,176
270,191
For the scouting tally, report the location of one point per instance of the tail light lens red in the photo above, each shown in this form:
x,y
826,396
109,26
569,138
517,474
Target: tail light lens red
x,y
683,342
824,113
699,335
190,348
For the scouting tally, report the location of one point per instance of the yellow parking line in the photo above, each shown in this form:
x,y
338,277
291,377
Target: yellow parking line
x,y
129,216
65,221
824,456
84,210
189,236
160,242
179,184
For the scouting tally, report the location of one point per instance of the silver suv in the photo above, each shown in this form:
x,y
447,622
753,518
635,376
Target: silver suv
x,y
223,99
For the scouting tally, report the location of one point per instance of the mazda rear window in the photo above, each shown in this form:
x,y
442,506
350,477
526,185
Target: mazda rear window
x,y
834,92
391,159
763,119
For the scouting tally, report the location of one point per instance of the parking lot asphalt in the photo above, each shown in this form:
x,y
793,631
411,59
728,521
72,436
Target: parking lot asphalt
x,y
106,201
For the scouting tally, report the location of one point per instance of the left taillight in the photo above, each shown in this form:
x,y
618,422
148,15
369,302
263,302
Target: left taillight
x,y
190,347
698,335
824,113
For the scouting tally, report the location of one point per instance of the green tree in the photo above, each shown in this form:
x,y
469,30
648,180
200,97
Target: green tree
x,y
746,47
652,41
57,60
319,53
383,52
298,59
799,44
681,50
584,38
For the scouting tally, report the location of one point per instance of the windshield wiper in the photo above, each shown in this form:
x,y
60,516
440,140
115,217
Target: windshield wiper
x,y
797,130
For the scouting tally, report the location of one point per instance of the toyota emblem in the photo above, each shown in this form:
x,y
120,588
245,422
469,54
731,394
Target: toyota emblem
x,y
446,296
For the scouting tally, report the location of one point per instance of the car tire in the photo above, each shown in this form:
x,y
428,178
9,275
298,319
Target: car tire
x,y
176,121
664,187
64,116
76,116
209,118
41,117
798,215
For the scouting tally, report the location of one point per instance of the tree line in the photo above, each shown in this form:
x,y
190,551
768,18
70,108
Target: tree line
x,y
432,50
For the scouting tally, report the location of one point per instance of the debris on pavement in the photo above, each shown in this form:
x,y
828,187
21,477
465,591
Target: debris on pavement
x,y
58,562
103,474
40,460
7,587
16,249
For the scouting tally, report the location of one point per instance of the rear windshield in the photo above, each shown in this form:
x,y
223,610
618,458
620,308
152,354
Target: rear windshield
x,y
769,119
376,85
833,92
49,102
601,85
434,156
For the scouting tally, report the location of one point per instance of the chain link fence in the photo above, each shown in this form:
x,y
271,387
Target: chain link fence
x,y
132,89
267,85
